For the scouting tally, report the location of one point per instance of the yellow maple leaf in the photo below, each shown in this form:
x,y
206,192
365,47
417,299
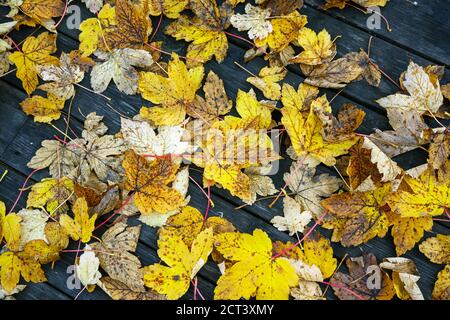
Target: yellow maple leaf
x,y
254,114
205,31
267,80
317,48
132,28
284,30
441,289
149,182
10,267
9,228
170,8
300,99
254,272
190,222
437,248
51,193
43,11
92,30
43,109
359,215
35,51
306,133
426,197
183,263
234,144
316,250
82,226
407,231
172,94
26,263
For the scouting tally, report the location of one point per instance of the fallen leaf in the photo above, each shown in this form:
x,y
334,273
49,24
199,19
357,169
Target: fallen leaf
x,y
82,226
119,67
254,272
309,190
149,183
423,95
405,277
317,48
35,51
360,214
183,263
63,76
115,255
173,94
437,249
267,81
254,21
294,220
119,291
87,268
441,289
365,280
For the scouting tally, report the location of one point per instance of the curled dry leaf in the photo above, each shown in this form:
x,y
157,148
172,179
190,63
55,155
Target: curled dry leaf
x,y
340,72
364,281
87,268
405,277
386,166
423,95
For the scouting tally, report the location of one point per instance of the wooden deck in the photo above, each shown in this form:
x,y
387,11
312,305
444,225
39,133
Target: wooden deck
x,y
420,33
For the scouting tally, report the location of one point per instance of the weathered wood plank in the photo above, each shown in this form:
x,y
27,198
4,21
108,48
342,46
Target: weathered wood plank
x,y
10,122
413,26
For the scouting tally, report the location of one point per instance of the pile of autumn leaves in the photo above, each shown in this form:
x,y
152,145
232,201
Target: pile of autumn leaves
x,y
139,170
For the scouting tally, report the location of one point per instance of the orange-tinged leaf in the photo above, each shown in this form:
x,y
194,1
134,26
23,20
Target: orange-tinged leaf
x,y
149,182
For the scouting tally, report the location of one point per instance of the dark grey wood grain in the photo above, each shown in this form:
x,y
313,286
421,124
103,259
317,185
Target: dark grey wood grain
x,y
414,27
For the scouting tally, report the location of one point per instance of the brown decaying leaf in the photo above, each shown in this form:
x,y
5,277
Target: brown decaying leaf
x,y
364,274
